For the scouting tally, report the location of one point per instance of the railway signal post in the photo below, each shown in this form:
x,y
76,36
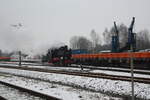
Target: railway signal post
x,y
19,58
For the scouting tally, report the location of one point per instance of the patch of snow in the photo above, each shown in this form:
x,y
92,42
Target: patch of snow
x,y
60,91
95,84
14,94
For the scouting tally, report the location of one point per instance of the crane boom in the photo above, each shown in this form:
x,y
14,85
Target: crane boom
x,y
115,40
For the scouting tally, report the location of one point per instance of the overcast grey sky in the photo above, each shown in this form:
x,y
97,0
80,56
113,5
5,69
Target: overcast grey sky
x,y
46,22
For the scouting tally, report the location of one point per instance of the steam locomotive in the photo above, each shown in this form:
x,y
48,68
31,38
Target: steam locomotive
x,y
64,57
60,56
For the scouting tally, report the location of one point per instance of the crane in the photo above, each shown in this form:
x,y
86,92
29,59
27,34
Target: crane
x,y
131,39
115,39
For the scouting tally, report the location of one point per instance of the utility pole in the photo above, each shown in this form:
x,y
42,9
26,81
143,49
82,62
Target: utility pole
x,y
132,72
19,58
131,41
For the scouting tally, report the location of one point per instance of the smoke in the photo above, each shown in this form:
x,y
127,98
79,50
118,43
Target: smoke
x,y
22,39
43,47
15,39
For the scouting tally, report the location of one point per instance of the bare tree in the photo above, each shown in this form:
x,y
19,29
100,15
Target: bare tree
x,y
142,37
73,42
107,36
95,38
123,34
143,40
80,42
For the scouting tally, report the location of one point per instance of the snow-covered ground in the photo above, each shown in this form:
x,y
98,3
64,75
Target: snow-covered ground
x,y
13,94
60,91
95,84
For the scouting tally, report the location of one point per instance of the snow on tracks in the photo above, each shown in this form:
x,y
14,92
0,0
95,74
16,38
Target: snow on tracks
x,y
95,84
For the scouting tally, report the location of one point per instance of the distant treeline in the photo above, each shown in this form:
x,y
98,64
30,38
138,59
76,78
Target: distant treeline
x,y
96,44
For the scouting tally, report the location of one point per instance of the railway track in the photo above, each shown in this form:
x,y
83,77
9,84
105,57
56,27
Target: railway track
x,y
136,71
86,74
34,93
117,69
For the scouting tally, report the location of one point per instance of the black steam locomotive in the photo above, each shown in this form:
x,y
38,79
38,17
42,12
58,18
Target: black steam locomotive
x,y
60,56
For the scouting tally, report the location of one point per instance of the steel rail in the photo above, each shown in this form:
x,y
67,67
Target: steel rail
x,y
119,70
32,92
93,67
86,74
